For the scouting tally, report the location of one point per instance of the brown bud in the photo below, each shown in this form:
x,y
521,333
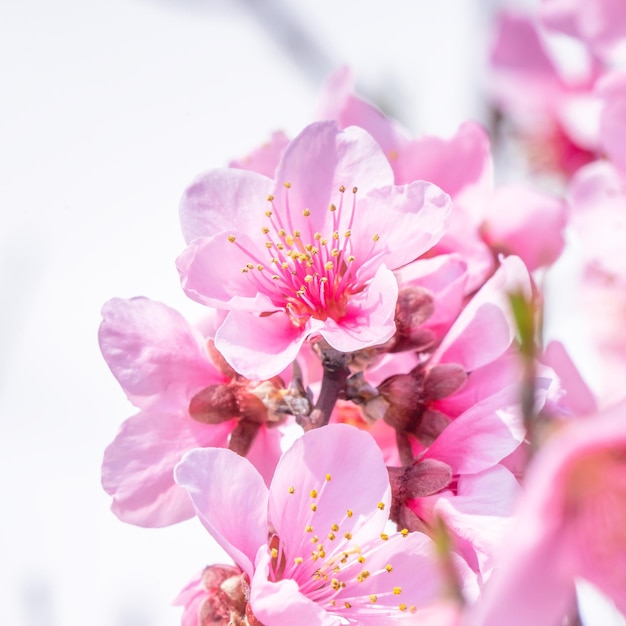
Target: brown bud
x,y
431,426
214,404
443,380
403,392
426,477
414,306
217,608
251,407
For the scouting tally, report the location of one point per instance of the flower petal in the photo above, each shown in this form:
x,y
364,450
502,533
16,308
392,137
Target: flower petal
x,y
326,473
280,603
369,320
259,347
138,466
483,435
317,163
153,351
265,158
484,329
211,273
230,499
415,218
224,199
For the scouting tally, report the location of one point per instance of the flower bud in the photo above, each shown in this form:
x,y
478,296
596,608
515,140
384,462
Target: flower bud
x,y
214,404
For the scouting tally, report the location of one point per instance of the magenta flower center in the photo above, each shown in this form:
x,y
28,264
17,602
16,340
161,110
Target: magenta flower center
x,y
308,273
332,568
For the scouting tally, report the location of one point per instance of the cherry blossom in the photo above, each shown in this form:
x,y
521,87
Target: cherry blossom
x,y
570,524
309,254
315,546
185,402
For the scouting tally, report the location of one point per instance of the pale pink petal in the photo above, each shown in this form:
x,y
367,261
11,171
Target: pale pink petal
x,y
579,398
153,351
259,347
463,238
211,273
415,572
338,102
483,435
316,164
369,320
280,603
484,382
600,23
415,218
265,451
598,194
224,199
138,465
570,524
524,597
265,158
457,165
479,514
520,62
191,598
527,223
485,330
612,89
230,499
560,15
314,472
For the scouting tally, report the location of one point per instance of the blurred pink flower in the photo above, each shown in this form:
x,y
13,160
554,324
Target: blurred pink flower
x,y
162,363
308,254
598,199
328,560
555,113
601,24
570,525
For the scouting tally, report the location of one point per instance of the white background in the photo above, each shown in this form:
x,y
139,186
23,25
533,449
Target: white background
x,y
108,110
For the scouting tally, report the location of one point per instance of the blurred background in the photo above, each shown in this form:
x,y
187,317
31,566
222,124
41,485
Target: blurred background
x,y
109,109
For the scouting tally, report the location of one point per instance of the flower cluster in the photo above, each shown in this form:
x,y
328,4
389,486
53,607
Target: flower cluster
x,y
368,412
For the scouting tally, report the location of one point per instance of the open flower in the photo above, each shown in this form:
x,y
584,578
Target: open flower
x,y
310,253
569,525
187,399
314,545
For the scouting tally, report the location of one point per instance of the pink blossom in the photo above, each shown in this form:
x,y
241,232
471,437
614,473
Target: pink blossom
x,y
328,559
486,220
598,199
461,165
601,24
162,363
570,524
308,254
555,113
522,221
